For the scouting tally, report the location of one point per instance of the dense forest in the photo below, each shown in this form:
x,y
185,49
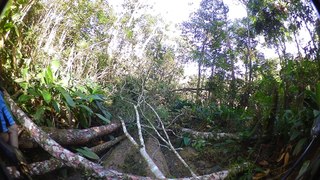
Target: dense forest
x,y
101,93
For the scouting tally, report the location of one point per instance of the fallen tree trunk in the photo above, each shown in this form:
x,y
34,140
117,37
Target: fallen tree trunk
x,y
80,136
43,167
39,168
56,150
70,136
102,147
209,135
73,160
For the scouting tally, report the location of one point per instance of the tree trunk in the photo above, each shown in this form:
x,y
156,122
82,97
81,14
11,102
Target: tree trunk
x,y
56,150
39,168
199,68
69,136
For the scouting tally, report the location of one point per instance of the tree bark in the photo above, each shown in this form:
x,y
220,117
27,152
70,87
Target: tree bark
x,y
56,150
102,147
209,135
39,168
80,136
69,136
48,166
199,68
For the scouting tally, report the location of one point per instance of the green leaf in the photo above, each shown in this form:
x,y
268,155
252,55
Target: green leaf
x,y
95,97
86,108
83,119
186,141
48,75
299,146
46,96
33,92
39,114
67,97
303,169
294,135
107,121
87,153
318,94
24,98
103,109
8,26
56,106
4,11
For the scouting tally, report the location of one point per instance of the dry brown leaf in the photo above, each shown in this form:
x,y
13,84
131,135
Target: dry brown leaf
x,y
289,147
281,157
258,176
263,163
286,159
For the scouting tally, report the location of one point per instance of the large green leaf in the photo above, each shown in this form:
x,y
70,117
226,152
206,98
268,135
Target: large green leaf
x,y
67,97
87,153
86,108
95,97
24,98
46,96
103,118
103,109
48,75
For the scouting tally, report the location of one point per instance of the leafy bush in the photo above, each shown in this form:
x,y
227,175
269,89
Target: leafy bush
x,y
51,102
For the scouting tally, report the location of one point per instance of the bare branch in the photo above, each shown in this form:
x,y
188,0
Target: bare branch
x,y
153,167
167,140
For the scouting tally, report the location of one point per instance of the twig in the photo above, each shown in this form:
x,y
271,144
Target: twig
x,y
175,119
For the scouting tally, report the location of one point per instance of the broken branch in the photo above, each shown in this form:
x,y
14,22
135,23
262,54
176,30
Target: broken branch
x,y
153,167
